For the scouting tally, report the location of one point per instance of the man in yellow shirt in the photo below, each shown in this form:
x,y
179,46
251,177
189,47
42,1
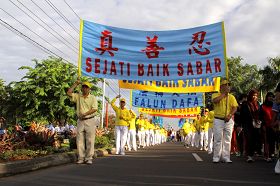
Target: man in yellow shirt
x,y
86,125
122,122
225,105
131,137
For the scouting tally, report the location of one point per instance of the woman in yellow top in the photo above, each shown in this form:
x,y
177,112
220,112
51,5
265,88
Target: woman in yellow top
x,y
122,122
197,124
131,137
147,132
187,134
141,130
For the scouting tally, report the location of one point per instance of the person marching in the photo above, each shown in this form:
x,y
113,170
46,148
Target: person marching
x,y
122,122
204,124
210,119
141,130
86,125
131,137
197,124
225,105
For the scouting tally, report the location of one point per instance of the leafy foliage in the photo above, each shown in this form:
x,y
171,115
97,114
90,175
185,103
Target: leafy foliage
x,y
41,95
271,74
3,96
243,77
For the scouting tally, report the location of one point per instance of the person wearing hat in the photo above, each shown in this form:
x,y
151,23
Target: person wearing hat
x,y
86,107
123,117
276,122
225,105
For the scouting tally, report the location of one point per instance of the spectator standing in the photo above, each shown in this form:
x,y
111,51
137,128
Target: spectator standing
x,y
240,139
267,129
250,112
276,123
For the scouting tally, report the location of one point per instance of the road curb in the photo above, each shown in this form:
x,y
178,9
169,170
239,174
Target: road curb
x,y
21,166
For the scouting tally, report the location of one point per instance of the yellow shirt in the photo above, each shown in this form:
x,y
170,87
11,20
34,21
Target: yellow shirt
x,y
186,128
84,104
204,124
210,119
197,124
220,108
132,121
141,123
124,113
147,124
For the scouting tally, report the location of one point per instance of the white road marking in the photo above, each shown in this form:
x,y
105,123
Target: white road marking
x,y
197,158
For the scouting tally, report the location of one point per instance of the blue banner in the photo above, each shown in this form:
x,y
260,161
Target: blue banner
x,y
161,100
157,120
117,53
181,122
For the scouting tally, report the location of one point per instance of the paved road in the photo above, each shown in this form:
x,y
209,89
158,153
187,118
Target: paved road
x,y
167,164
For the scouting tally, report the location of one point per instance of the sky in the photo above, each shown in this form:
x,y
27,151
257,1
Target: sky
x,y
252,26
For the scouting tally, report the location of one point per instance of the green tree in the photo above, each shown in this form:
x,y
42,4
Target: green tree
x,y
41,96
243,77
3,96
270,74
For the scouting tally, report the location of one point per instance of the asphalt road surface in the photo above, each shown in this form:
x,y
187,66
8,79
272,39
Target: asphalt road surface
x,y
167,164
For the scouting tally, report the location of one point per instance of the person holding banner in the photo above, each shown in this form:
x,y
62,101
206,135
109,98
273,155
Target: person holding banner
x,y
122,122
87,121
131,137
225,105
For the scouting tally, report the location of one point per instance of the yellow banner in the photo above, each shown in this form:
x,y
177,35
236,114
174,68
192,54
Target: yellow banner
x,y
181,86
171,112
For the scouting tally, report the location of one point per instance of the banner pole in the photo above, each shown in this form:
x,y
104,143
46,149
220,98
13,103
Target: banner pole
x,y
80,48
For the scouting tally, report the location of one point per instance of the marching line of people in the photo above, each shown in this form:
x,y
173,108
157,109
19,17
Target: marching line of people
x,y
246,128
211,132
199,132
129,128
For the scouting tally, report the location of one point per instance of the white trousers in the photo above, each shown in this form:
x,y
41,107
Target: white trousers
x,y
131,139
203,142
222,139
210,139
141,136
188,138
152,137
121,137
147,137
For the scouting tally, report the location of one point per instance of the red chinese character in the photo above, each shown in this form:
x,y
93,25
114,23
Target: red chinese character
x,y
106,43
152,50
199,39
